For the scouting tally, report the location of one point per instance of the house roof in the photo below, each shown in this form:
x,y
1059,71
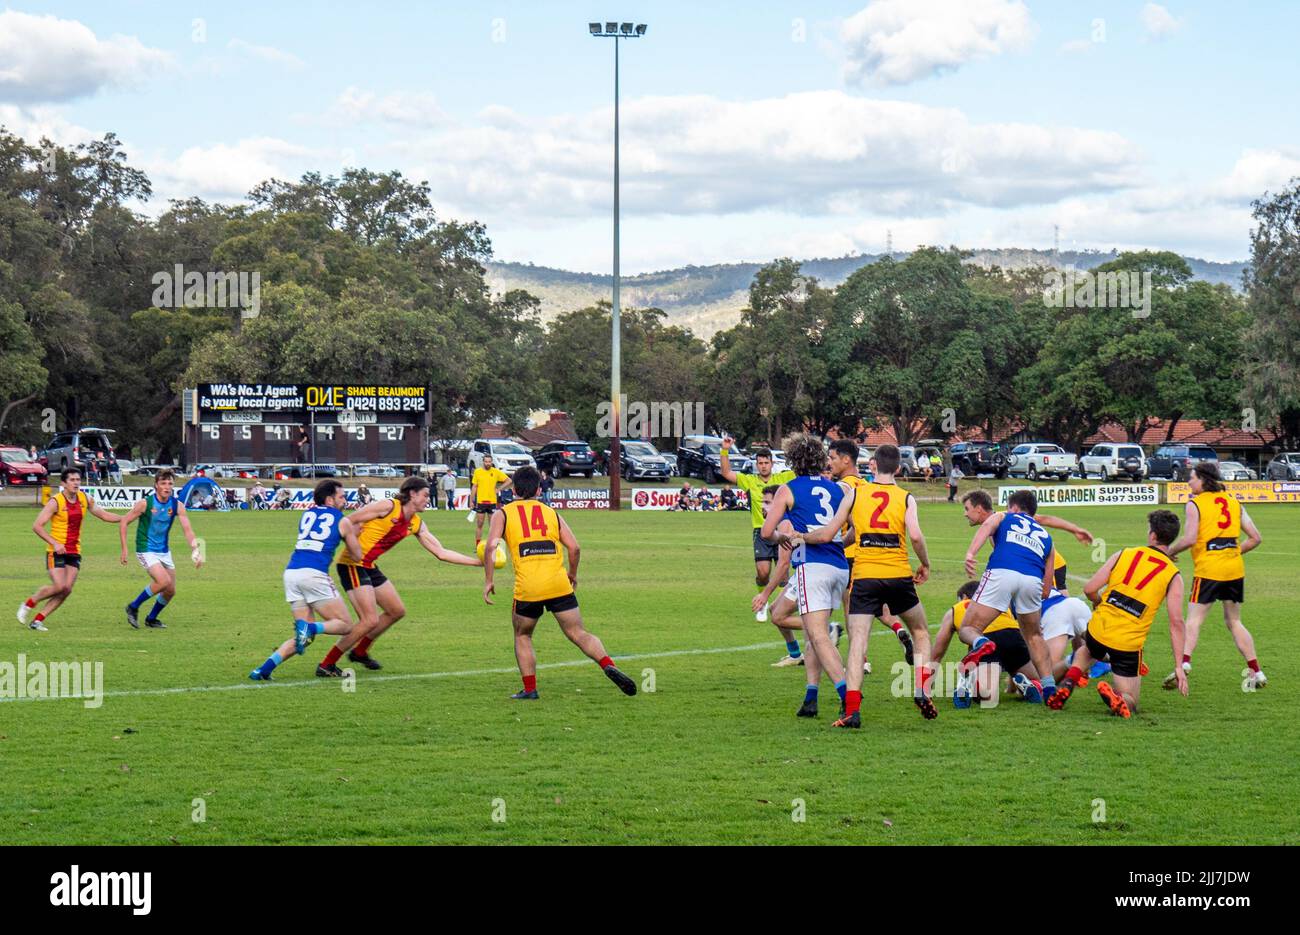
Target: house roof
x,y
1187,431
558,428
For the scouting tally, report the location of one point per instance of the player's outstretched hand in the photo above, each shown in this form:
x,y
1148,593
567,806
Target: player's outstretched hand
x,y
196,556
1084,536
970,565
922,575
488,589
1182,681
759,602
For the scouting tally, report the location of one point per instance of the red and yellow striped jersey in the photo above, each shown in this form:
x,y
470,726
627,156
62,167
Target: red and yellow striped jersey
x,y
65,524
382,533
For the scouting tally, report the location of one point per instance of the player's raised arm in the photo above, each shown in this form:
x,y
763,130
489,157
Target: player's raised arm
x,y
912,523
94,509
987,528
349,530
443,554
781,501
724,459
1191,527
1055,522
131,516
1253,538
1092,589
837,522
372,510
941,639
183,515
570,543
1177,634
496,528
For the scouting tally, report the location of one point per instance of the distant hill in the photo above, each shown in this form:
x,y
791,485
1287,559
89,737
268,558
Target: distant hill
x,y
708,299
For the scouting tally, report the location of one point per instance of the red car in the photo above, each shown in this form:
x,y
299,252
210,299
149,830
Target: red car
x,y
18,469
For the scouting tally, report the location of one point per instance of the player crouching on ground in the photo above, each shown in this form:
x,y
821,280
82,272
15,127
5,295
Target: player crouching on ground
x,y
1135,581
533,533
1011,655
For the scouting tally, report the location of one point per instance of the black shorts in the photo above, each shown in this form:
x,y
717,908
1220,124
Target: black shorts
x,y
764,551
556,605
1060,578
1207,590
1013,653
354,576
485,508
66,560
869,595
1123,662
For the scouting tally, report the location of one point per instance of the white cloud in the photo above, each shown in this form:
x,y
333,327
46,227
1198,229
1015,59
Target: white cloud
x,y
1159,22
267,53
44,58
899,41
32,124
414,109
1258,171
228,171
1078,46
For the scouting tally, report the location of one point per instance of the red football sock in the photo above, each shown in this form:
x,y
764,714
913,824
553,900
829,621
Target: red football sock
x,y
38,618
926,674
605,663
895,627
852,702
1075,674
332,657
363,646
1254,664
530,683
1187,657
30,603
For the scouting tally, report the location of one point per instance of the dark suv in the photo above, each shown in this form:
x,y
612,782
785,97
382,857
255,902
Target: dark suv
x,y
699,456
1176,461
640,460
974,458
78,449
560,459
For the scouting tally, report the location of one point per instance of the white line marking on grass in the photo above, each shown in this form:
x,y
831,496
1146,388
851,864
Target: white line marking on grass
x,y
253,686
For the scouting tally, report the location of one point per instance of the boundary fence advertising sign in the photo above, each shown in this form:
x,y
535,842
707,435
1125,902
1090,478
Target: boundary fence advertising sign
x,y
1058,495
1247,491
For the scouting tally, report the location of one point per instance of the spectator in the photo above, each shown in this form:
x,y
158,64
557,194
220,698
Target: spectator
x,y
256,494
232,499
282,497
707,501
728,497
927,469
300,442
364,496
954,476
449,488
684,497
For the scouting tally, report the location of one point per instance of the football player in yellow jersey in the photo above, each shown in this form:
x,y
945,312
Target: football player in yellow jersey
x,y
844,468
764,552
65,512
1012,654
534,535
1215,520
1134,582
484,486
383,524
882,515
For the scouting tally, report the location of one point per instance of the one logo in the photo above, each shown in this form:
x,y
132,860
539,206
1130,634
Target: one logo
x,y
641,498
76,888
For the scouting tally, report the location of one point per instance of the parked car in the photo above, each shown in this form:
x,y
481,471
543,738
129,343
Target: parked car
x,y
1176,461
242,471
375,470
671,458
78,449
1041,459
287,471
1235,470
981,457
561,459
507,455
1110,461
699,456
909,466
1284,466
643,461
17,469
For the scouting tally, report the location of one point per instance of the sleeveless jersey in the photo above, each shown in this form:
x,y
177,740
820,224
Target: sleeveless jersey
x,y
1215,554
382,533
155,524
1020,544
851,548
318,538
1003,621
532,536
65,524
1136,588
815,501
879,517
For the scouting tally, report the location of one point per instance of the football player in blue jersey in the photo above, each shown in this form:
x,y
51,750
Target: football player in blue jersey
x,y
316,604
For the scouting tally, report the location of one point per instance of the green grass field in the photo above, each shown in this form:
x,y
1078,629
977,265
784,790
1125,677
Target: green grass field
x,y
431,749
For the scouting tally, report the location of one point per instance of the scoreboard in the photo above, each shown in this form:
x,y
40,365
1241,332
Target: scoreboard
x,y
260,423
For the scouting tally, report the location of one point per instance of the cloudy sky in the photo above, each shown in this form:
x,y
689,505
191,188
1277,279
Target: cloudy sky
x,y
749,131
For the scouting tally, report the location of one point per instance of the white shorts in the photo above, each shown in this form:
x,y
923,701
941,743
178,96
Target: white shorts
x,y
791,592
308,586
819,586
1066,618
148,559
999,587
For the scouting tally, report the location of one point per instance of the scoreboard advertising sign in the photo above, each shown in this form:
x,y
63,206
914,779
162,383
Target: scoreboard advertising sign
x,y
1247,491
1087,494
300,397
